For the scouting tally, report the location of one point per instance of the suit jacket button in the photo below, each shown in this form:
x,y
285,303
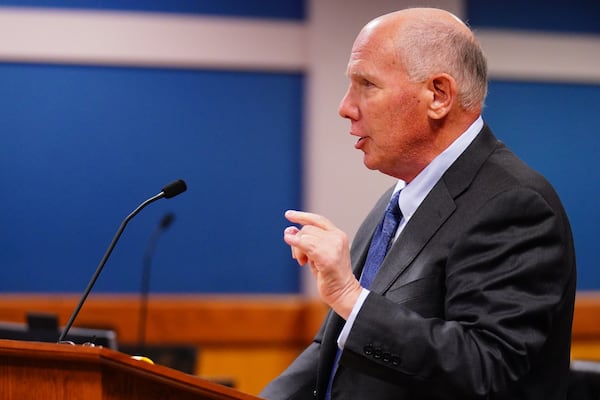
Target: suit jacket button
x,y
315,393
395,361
386,357
377,353
368,349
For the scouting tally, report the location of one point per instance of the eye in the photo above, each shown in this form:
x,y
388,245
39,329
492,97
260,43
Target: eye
x,y
366,83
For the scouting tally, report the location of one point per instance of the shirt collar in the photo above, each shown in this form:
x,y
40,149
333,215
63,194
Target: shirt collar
x,y
414,193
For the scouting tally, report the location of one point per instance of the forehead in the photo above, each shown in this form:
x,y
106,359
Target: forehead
x,y
371,54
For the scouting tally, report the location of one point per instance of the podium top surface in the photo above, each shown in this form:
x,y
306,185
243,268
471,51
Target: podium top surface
x,y
110,365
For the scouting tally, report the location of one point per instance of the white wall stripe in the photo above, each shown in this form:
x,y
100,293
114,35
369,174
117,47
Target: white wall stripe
x,y
535,56
183,41
145,39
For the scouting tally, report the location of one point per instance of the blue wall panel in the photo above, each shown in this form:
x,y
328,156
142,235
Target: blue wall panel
x,y
580,16
549,126
81,147
288,9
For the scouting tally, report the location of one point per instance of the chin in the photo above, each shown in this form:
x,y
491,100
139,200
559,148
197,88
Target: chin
x,y
370,164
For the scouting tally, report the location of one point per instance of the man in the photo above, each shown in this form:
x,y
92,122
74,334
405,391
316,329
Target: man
x,y
474,298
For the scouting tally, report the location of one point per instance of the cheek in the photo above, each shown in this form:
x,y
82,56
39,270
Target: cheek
x,y
399,115
392,115
406,126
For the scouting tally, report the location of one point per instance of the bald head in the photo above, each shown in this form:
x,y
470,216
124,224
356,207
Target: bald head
x,y
430,41
422,16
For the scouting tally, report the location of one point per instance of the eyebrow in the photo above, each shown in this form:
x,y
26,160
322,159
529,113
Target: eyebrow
x,y
356,75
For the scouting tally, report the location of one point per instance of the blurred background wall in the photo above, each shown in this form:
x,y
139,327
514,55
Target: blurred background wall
x,y
105,102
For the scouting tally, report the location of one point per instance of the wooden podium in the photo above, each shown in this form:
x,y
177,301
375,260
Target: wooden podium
x,y
35,370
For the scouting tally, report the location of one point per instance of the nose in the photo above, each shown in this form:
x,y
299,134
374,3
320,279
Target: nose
x,y
347,107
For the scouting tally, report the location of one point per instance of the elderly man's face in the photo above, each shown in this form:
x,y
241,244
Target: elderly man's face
x,y
387,111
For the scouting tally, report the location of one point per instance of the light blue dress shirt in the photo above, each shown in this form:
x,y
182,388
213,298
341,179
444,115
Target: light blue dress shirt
x,y
412,196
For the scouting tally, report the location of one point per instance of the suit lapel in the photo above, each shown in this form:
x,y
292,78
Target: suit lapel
x,y
419,230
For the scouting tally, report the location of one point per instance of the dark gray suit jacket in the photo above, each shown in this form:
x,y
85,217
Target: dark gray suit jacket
x,y
473,301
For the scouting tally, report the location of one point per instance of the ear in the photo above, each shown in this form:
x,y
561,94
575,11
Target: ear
x,y
443,95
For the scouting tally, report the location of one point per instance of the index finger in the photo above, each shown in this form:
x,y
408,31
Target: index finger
x,y
306,218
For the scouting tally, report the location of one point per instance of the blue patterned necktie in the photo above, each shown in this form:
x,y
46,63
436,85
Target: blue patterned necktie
x,y
382,241
380,244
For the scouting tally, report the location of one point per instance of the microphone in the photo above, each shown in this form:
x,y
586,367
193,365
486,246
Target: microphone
x,y
165,222
171,190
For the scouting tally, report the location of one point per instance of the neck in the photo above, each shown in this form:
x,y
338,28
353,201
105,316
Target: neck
x,y
442,134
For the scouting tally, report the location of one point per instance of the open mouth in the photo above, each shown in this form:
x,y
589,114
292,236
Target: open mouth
x,y
359,142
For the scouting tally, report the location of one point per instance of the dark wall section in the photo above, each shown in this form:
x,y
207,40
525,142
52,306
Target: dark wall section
x,y
580,16
289,9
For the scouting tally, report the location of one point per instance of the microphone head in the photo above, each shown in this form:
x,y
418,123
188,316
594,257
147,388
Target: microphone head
x,y
174,188
167,220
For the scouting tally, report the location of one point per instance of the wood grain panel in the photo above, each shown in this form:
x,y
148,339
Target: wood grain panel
x,y
183,319
586,321
59,371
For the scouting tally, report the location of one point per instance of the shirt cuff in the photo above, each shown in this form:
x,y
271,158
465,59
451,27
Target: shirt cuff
x,y
341,342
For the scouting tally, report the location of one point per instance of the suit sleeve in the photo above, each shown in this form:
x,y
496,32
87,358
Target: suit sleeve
x,y
298,381
508,278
